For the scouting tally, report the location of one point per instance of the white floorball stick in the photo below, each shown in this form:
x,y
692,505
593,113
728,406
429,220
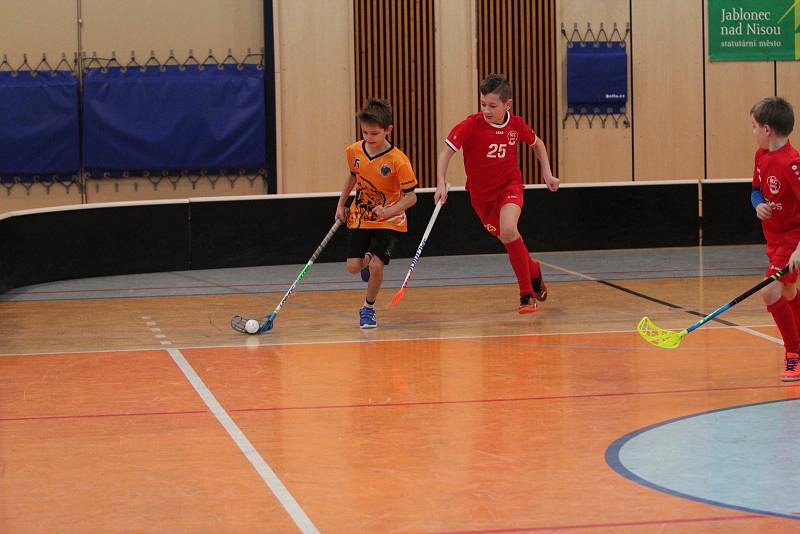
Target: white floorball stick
x,y
415,259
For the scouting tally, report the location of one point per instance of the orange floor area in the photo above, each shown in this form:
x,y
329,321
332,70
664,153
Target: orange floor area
x,y
475,434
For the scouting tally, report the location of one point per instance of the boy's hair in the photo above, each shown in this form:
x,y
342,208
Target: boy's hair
x,y
376,111
776,113
497,84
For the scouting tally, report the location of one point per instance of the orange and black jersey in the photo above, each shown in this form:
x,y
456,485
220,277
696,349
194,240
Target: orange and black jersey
x,y
381,180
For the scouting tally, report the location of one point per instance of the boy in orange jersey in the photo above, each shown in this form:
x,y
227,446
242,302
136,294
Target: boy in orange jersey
x,y
494,181
776,199
384,182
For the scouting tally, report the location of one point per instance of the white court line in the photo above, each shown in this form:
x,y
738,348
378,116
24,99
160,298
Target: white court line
x,y
262,468
250,339
256,460
737,327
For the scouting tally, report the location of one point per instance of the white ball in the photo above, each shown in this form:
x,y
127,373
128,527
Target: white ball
x,y
251,326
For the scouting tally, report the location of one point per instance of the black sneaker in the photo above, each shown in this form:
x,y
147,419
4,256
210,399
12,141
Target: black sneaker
x,y
539,288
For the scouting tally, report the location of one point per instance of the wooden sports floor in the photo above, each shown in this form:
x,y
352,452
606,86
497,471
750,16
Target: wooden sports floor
x,y
149,414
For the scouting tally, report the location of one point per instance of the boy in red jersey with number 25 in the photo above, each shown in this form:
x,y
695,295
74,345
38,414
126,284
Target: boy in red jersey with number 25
x,y
776,199
489,140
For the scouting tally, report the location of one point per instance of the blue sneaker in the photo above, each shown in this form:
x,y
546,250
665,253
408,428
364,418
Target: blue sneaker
x,y
365,270
367,317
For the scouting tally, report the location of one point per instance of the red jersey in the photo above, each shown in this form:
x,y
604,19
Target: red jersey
x,y
777,174
490,151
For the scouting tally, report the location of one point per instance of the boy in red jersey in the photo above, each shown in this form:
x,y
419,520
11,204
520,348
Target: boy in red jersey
x,y
494,181
776,199
385,183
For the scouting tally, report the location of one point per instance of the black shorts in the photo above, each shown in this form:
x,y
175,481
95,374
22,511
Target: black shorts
x,y
379,242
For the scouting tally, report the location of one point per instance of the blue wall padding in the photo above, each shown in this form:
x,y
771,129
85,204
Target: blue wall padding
x,y
39,132
597,76
174,119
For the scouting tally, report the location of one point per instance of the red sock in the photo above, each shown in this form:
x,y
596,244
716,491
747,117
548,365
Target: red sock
x,y
784,319
520,262
795,305
535,269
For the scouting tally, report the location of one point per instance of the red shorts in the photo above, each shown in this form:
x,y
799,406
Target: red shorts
x,y
778,258
488,207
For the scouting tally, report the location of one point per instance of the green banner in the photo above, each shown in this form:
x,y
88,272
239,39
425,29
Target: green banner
x,y
753,30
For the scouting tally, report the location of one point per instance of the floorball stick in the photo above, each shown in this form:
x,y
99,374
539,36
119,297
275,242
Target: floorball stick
x,y
415,259
247,325
670,340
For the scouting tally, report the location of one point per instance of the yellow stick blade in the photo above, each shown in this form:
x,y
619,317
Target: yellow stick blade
x,y
659,337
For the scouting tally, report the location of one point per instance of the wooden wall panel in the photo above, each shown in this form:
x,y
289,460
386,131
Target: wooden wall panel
x,y
456,74
517,38
668,128
314,87
145,25
36,27
395,60
19,198
121,189
788,86
729,140
591,154
731,90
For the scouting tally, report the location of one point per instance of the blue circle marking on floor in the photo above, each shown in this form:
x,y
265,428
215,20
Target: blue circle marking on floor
x,y
743,457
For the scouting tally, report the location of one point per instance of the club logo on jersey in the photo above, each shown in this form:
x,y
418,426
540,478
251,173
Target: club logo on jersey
x,y
490,228
386,169
796,172
367,197
774,185
512,137
356,162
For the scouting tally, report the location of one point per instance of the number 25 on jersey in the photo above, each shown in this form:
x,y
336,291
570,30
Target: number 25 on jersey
x,y
496,151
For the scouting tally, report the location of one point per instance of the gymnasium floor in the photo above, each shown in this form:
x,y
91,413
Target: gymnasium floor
x,y
127,404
